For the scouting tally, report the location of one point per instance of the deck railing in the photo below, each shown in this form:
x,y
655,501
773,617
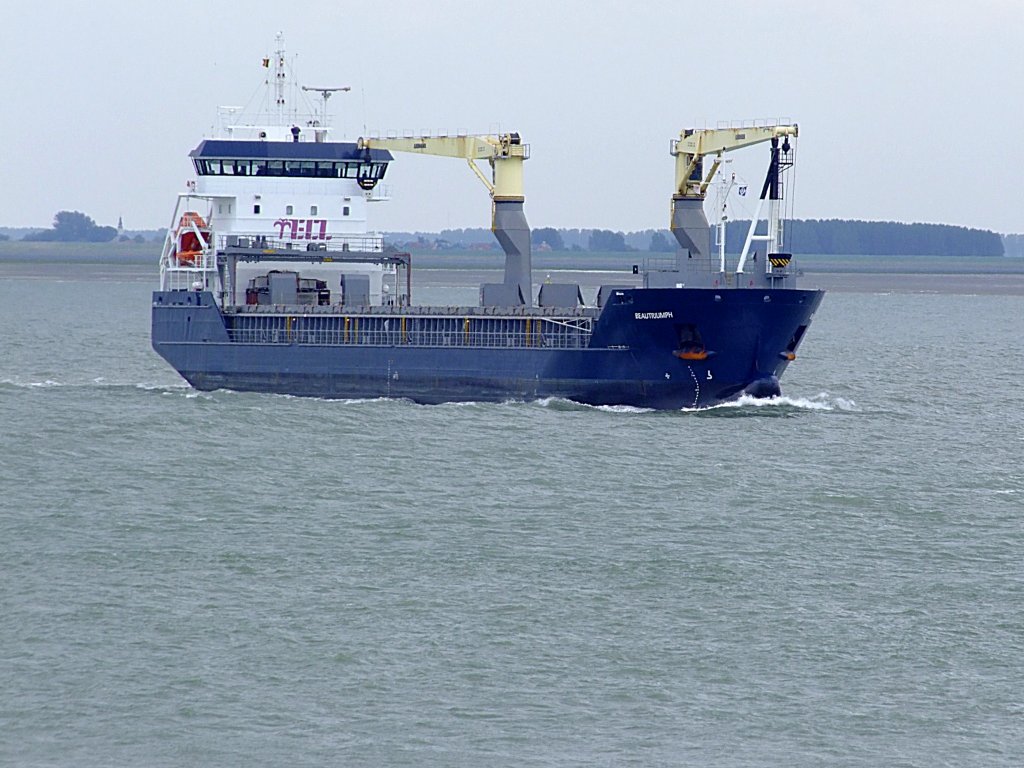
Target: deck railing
x,y
493,332
369,242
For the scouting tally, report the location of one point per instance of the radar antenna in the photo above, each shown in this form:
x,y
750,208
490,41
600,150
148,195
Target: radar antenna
x,y
325,94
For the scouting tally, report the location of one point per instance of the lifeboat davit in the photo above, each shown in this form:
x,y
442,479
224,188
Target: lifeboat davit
x,y
191,238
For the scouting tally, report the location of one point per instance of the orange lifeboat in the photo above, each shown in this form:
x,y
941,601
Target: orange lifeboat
x,y
190,236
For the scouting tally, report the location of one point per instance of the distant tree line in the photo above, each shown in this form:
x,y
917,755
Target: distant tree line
x,y
803,236
877,238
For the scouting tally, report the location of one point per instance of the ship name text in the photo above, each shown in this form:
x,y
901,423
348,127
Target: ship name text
x,y
302,229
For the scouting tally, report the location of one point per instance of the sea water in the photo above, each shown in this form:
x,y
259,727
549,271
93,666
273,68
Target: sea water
x,y
835,577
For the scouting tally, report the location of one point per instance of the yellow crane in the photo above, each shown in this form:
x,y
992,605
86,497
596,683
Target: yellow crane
x,y
505,153
689,223
694,144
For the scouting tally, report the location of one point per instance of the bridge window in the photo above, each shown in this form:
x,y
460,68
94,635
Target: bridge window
x,y
312,210
344,211
288,210
302,168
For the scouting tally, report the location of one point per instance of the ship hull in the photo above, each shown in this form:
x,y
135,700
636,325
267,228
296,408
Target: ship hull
x,y
633,356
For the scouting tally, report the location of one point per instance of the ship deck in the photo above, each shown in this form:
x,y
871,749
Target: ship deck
x,y
341,310
429,326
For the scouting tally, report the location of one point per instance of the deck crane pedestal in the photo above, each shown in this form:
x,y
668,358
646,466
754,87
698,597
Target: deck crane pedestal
x,y
505,153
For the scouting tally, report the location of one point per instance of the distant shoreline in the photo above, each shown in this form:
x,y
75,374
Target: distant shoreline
x,y
872,275
148,254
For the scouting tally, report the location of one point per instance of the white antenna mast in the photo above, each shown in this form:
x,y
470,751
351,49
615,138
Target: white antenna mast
x,y
280,76
725,185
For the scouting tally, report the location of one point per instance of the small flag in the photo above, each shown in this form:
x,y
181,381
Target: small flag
x,y
266,63
743,191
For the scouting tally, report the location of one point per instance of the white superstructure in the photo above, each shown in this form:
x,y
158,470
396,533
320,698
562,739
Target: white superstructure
x,y
276,182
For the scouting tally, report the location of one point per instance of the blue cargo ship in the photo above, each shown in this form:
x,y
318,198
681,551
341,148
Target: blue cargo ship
x,y
272,281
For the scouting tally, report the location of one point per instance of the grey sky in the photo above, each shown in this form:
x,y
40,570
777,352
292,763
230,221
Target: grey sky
x,y
909,111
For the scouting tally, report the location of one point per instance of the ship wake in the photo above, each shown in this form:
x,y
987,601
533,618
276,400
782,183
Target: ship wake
x,y
823,401
782,405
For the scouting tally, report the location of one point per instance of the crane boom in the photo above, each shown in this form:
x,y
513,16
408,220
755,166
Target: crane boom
x,y
505,153
693,145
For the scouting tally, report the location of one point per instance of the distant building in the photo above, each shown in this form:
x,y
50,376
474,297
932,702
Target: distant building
x,y
120,228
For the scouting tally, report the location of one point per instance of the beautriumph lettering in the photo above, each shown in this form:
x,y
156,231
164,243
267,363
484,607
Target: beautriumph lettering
x,y
652,315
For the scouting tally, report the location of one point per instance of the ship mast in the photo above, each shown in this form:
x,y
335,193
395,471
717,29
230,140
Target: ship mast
x,y
280,79
781,159
725,185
